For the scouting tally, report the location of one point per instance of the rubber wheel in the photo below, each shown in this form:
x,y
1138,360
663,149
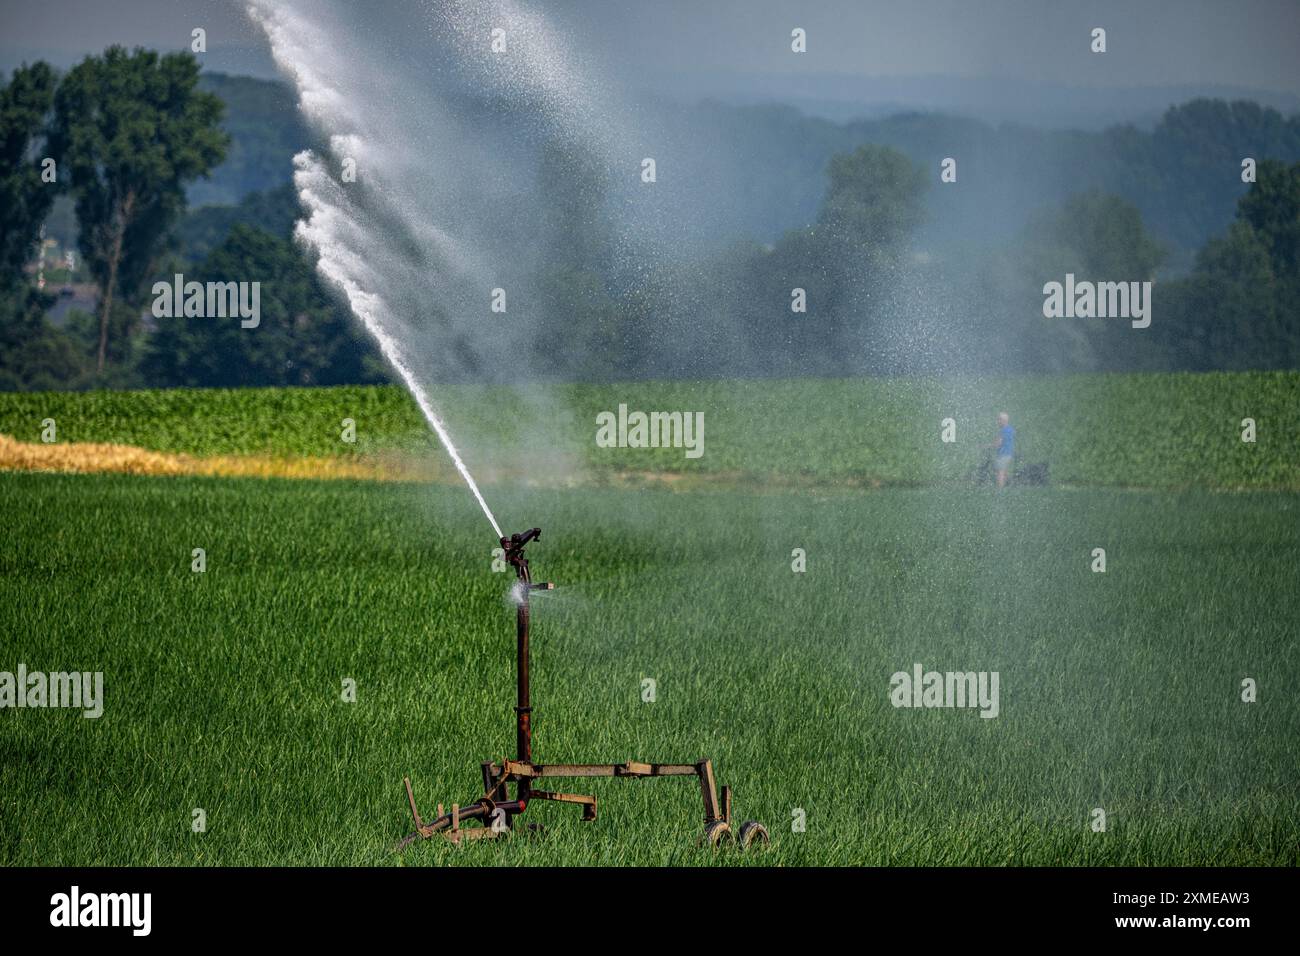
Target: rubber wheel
x,y
717,833
751,832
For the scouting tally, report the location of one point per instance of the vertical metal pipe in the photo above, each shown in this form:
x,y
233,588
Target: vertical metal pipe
x,y
513,548
523,709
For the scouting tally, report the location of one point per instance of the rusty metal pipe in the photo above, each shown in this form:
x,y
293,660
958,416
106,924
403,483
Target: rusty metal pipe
x,y
523,706
513,548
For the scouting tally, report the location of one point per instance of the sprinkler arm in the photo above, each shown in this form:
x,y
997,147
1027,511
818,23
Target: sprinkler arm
x,y
521,538
513,549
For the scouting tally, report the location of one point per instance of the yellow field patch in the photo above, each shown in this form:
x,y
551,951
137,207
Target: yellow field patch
x,y
88,457
93,458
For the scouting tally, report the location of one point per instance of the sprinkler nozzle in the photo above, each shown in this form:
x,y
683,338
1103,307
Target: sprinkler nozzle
x,y
513,549
519,539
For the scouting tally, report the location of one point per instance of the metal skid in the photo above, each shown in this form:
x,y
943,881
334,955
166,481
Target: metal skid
x,y
494,812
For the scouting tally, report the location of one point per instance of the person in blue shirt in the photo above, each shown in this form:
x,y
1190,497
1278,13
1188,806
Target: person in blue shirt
x,y
1006,448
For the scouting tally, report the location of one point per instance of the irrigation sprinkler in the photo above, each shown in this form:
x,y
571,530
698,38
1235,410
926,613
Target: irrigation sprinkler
x,y
494,812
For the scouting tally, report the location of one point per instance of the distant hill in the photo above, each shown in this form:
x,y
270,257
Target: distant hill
x,y
265,130
992,99
753,172
756,171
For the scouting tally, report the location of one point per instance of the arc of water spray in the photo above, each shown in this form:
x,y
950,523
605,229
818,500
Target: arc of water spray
x,y
435,423
367,307
337,263
315,52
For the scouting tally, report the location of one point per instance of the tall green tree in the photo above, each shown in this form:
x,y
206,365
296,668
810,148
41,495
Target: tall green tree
x,y
133,129
33,354
25,103
304,336
856,248
1240,306
874,200
1272,208
1098,237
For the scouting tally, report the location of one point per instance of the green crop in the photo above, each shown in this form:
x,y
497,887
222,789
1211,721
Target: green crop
x,y
222,689
1158,430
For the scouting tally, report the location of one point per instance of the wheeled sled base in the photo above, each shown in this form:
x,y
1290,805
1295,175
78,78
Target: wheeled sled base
x,y
494,812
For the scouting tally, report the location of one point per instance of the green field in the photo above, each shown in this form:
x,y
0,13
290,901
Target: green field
x,y
1171,431
222,689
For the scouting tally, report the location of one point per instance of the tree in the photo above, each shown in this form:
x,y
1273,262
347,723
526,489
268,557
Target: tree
x,y
133,130
1272,208
33,355
24,107
303,337
874,200
203,229
1098,238
1238,308
1225,315
855,252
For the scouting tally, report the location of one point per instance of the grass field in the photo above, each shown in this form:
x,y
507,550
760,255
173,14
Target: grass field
x,y
222,689
1170,431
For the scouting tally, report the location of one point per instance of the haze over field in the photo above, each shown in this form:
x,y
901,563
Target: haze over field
x,y
501,214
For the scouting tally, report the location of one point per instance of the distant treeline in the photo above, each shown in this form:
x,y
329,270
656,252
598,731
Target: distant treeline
x,y
1173,172
807,247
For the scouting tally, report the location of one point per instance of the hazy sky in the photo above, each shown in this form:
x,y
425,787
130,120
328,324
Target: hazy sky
x,y
1245,43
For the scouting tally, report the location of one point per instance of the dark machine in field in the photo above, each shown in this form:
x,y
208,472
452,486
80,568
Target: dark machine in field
x,y
495,811
1034,473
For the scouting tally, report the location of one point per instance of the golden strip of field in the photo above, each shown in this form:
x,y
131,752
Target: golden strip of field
x,y
92,458
89,457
